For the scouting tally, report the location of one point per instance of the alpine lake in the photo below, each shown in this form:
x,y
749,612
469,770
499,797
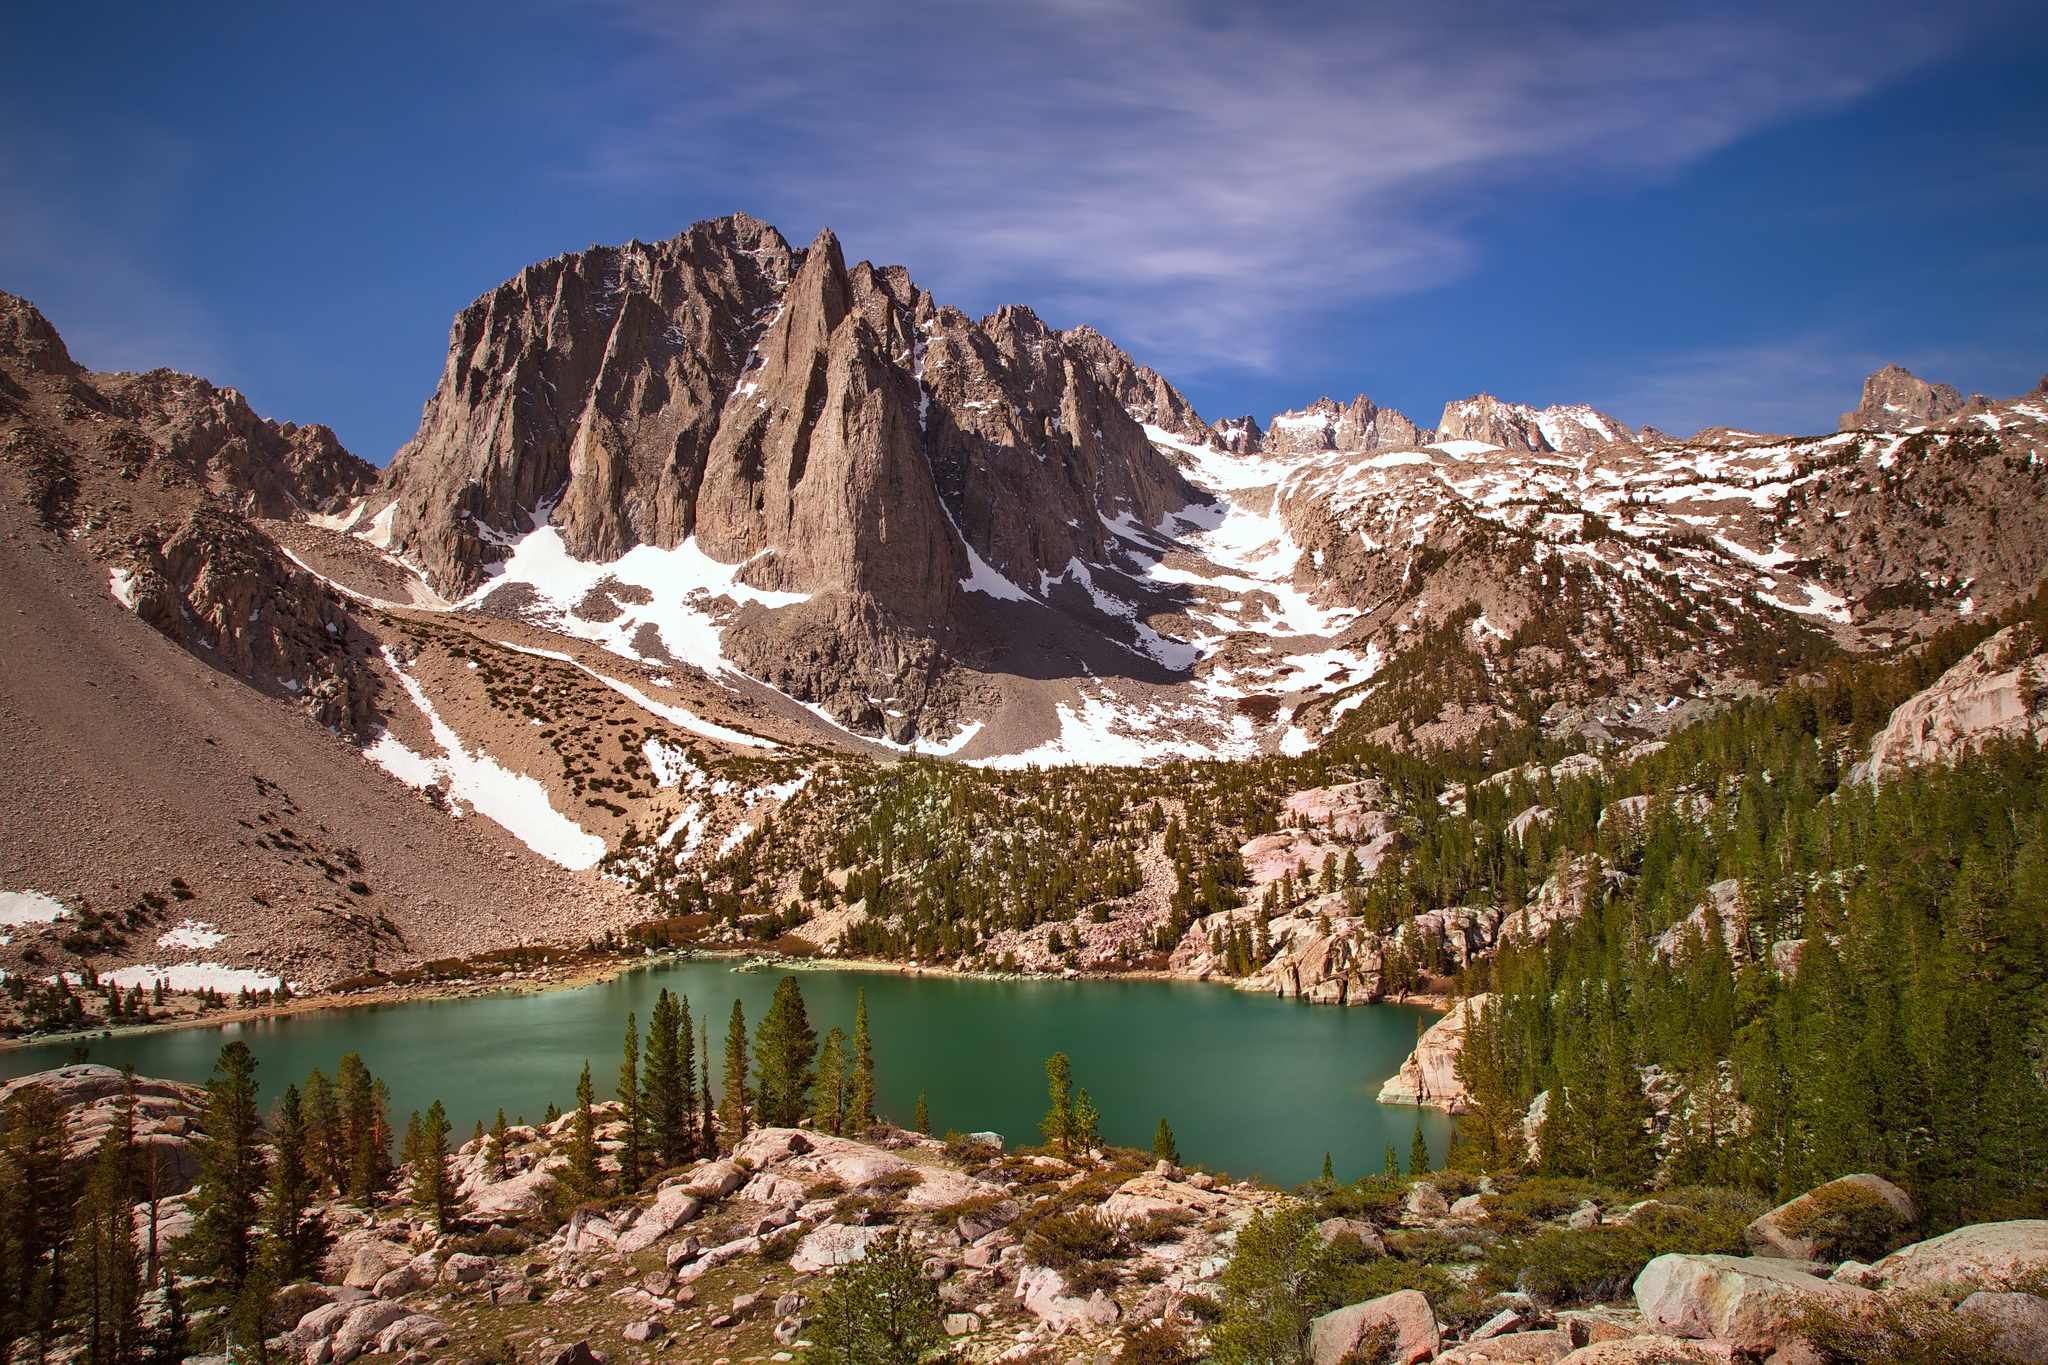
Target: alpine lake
x,y
1251,1084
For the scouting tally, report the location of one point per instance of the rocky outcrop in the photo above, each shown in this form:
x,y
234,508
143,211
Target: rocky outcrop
x,y
1786,1231
1429,1077
1751,1303
1144,394
1327,424
1572,427
93,1100
1998,691
1893,400
1406,1315
1982,1255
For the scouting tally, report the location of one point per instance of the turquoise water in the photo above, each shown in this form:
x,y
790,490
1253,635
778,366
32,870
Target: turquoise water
x,y
1250,1084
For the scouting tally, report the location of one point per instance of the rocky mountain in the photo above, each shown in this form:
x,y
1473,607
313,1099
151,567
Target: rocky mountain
x,y
688,523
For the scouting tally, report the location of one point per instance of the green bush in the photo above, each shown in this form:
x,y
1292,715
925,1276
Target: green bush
x,y
1844,1222
1066,1241
1560,1266
1357,1283
1898,1330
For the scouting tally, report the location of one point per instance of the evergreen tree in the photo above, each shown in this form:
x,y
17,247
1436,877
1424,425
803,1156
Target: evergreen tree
x,y
828,1111
629,1099
860,1089
1086,1130
1418,1152
733,1108
784,1048
1329,1172
103,1284
1281,1276
297,1233
1391,1166
707,1112
924,1116
881,1310
219,1251
496,1149
326,1150
433,1194
365,1128
665,1100
1058,1123
36,1194
1163,1146
581,1149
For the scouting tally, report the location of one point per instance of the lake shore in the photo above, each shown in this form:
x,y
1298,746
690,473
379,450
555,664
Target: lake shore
x,y
594,973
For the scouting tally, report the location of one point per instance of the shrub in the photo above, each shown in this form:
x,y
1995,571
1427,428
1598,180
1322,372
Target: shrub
x,y
1159,1343
492,1242
1066,1241
1564,1266
1158,1225
1897,1329
881,1310
1357,1283
1844,1222
1425,1246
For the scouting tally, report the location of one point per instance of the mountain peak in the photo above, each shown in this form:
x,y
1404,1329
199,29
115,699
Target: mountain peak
x,y
1895,398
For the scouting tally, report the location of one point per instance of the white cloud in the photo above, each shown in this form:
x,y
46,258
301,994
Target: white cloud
x,y
1197,180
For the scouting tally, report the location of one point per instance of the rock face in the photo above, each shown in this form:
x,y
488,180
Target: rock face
x,y
1893,400
1326,424
164,477
1984,1255
836,432
1999,691
1334,1336
1747,1302
1429,1077
1514,426
2019,1322
1774,1233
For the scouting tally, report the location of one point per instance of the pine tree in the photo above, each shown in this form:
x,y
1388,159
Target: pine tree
x,y
690,1143
924,1116
582,1145
1329,1172
1391,1166
733,1108
297,1233
828,1111
784,1047
666,1105
365,1127
881,1310
103,1286
36,1194
497,1147
1281,1275
629,1099
707,1111
1058,1123
1163,1146
326,1151
432,1192
860,1090
1087,1122
219,1250
1418,1152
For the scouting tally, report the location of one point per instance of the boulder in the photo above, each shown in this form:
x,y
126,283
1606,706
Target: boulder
x,y
360,1327
769,1188
1513,1348
464,1268
972,1227
718,1256
671,1208
361,1258
576,1353
2020,1322
1775,1234
1334,1336
682,1253
1982,1255
410,1332
1746,1301
713,1180
1330,1229
962,1324
165,1118
416,1274
1151,1193
1426,1201
517,1197
1586,1215
835,1244
646,1329
1649,1350
1469,1208
1044,1294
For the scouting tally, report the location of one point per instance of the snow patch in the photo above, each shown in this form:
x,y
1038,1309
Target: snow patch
x,y
193,934
18,908
511,799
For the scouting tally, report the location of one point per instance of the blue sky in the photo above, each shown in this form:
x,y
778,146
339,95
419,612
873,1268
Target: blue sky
x,y
1716,213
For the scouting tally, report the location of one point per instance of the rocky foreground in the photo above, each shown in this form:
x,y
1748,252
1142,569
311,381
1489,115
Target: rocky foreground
x,y
1110,1255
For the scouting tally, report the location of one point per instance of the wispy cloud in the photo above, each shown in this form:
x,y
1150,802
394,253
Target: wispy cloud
x,y
1200,177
